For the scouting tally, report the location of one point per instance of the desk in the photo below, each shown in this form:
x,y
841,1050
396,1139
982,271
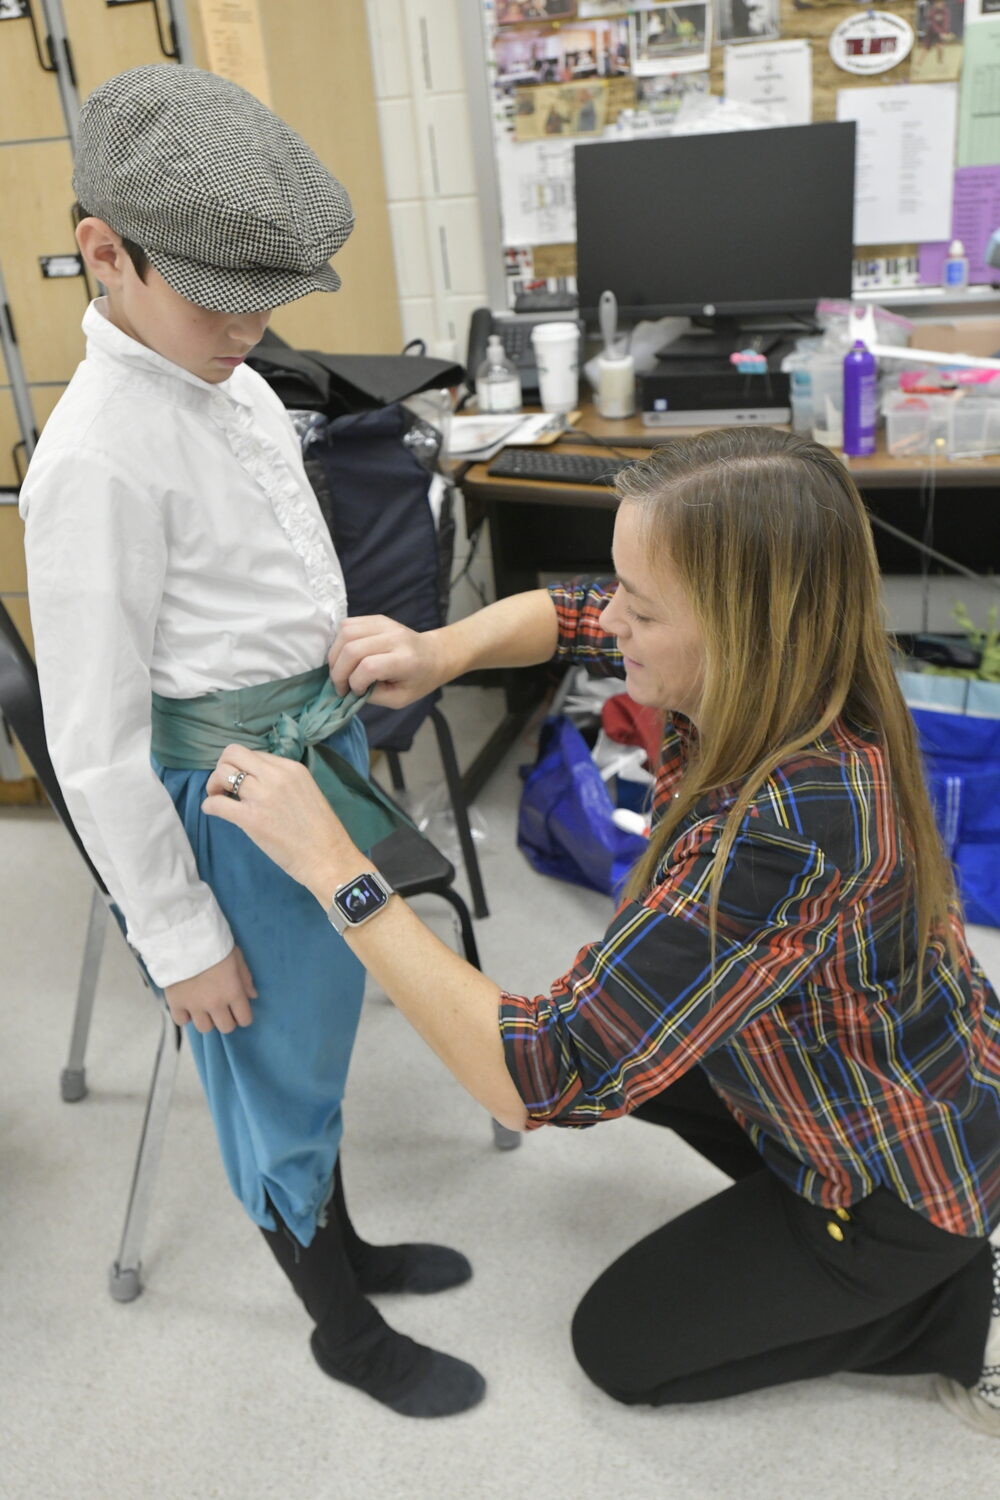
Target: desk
x,y
540,527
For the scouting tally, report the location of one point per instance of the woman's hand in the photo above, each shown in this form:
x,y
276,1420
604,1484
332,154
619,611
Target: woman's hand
x,y
282,809
405,664
451,1004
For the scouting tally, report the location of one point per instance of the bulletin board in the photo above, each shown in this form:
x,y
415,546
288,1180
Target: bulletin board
x,y
565,71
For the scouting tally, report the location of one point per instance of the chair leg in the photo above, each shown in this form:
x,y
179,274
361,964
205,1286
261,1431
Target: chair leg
x,y
125,1276
503,1139
395,771
453,778
470,949
73,1078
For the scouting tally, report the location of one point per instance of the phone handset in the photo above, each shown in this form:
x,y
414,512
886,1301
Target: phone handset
x,y
480,328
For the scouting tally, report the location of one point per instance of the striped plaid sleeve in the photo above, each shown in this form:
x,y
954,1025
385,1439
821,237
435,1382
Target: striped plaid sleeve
x,y
640,1007
581,639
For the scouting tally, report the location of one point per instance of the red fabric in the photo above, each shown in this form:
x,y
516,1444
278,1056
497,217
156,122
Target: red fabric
x,y
629,723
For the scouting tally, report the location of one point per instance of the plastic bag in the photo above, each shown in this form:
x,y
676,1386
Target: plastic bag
x,y
958,725
565,824
434,816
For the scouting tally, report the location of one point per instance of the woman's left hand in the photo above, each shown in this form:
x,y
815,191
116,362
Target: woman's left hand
x,y
280,807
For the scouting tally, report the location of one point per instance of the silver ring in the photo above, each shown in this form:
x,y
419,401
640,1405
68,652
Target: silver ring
x,y
236,780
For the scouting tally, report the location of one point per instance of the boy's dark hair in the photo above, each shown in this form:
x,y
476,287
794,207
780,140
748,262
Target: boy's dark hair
x,y
135,252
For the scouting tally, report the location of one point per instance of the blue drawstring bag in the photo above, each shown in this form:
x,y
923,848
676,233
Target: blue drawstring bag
x,y
958,725
565,824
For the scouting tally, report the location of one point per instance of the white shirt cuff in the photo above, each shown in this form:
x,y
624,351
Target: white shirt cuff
x,y
187,949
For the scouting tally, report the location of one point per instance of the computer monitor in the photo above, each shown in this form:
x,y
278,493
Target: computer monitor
x,y
731,225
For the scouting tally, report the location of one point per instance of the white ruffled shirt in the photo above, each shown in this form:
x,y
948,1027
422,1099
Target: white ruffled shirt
x,y
174,544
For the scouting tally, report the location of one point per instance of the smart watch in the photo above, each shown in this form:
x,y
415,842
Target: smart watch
x,y
359,900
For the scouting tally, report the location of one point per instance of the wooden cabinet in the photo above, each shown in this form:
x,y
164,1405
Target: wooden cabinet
x,y
13,579
321,83
107,39
30,105
13,594
11,456
45,310
319,77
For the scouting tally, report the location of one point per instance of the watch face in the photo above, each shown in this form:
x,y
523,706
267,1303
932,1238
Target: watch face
x,y
360,900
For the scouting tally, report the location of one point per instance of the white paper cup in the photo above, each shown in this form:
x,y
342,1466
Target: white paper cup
x,y
557,355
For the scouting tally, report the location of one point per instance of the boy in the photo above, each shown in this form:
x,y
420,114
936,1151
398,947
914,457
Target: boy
x,y
183,586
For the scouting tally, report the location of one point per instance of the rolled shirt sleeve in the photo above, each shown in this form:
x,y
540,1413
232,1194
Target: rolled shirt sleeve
x,y
643,1005
96,565
582,641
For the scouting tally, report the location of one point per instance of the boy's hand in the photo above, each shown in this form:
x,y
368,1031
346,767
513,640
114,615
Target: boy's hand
x,y
216,999
404,663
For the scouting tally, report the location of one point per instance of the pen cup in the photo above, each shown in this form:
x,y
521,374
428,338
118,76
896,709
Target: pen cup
x,y
616,385
557,355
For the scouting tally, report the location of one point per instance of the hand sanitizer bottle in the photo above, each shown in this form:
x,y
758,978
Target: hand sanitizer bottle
x,y
956,268
498,386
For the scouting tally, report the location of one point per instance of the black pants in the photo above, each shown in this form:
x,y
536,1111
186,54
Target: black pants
x,y
751,1288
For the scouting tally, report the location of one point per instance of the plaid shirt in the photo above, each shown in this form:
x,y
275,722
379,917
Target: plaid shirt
x,y
810,1033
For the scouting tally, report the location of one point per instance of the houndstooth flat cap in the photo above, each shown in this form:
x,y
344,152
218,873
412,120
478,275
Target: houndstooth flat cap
x,y
231,206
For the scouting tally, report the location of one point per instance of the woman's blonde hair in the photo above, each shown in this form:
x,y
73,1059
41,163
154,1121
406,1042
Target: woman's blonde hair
x,y
772,543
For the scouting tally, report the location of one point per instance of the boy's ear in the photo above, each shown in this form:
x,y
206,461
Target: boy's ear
x,y
102,250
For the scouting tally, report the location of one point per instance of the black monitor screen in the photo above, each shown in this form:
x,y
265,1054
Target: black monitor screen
x,y
732,223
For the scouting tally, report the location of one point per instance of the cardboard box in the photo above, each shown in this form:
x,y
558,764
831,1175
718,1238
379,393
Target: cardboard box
x,y
976,336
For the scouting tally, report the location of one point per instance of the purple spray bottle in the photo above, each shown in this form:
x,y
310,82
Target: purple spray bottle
x,y
860,400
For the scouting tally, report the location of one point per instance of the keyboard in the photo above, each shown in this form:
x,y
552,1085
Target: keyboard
x,y
564,468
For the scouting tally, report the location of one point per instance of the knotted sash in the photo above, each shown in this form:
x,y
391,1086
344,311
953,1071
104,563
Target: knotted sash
x,y
291,717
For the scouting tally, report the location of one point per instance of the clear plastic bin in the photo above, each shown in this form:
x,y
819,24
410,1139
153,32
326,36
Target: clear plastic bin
x,y
968,423
975,425
914,424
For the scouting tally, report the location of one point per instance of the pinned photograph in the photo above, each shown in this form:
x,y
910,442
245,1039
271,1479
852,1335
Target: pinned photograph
x,y
937,51
512,12
572,109
561,54
671,38
747,20
662,94
621,94
13,10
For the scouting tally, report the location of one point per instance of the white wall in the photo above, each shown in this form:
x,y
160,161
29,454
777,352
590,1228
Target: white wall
x,y
421,88
420,85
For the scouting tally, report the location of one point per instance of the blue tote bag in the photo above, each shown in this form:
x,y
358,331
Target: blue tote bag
x,y
958,724
566,824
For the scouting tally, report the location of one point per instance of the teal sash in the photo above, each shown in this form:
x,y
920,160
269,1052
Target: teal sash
x,y
292,717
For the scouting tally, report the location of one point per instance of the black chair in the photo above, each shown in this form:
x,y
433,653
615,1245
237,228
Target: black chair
x,y
409,862
373,472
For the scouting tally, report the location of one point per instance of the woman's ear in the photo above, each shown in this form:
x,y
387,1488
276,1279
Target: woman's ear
x,y
102,251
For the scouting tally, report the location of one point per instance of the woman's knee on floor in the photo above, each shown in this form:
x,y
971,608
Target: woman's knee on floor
x,y
627,1362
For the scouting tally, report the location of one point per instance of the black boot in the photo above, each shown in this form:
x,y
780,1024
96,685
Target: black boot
x,y
353,1343
395,1268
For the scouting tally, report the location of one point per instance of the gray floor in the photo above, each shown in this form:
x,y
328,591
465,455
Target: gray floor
x,y
204,1387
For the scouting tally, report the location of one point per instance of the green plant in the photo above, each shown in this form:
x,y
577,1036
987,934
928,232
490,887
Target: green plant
x,y
986,642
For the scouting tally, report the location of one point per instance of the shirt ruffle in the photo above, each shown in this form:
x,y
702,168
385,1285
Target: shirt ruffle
x,y
263,460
